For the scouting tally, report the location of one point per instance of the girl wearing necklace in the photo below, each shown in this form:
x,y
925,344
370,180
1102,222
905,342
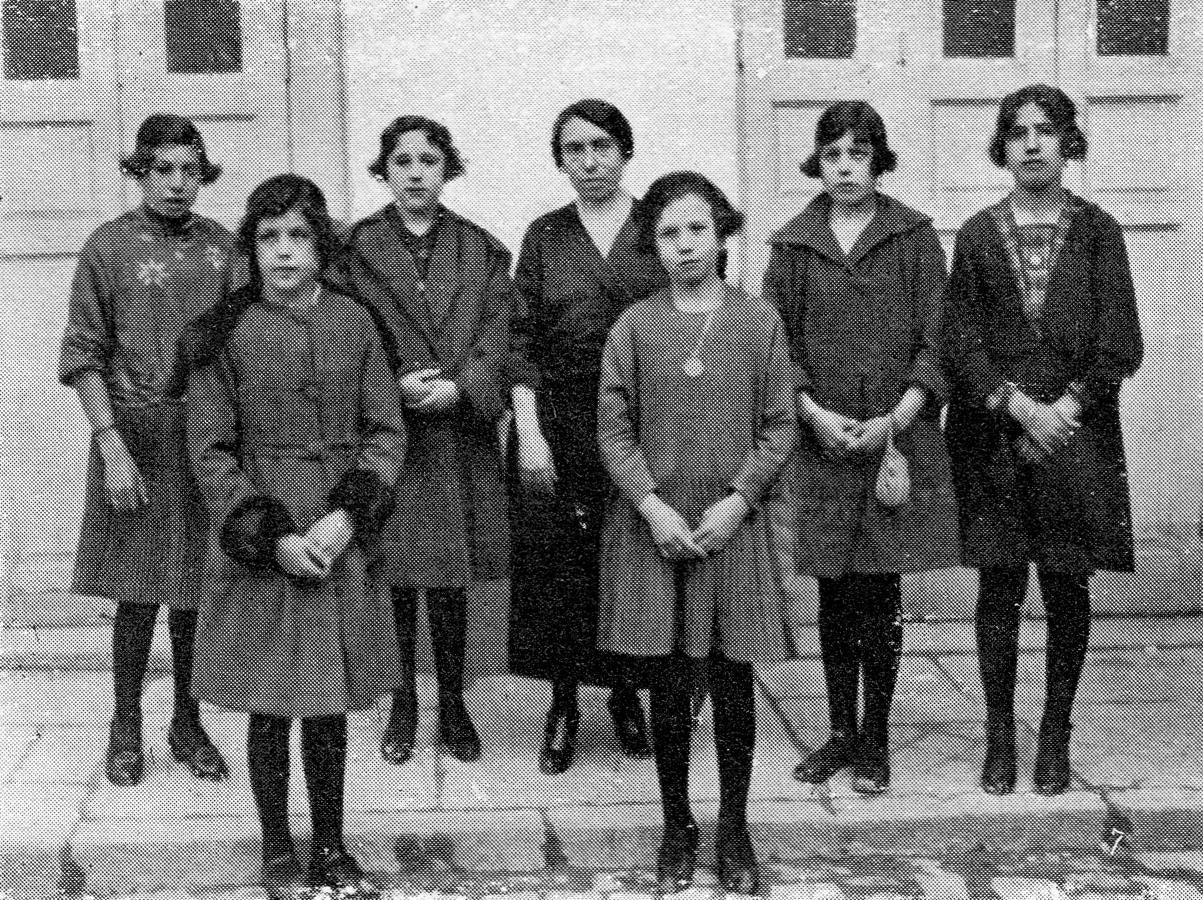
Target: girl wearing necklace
x,y
296,438
440,287
695,424
1041,329
858,278
578,269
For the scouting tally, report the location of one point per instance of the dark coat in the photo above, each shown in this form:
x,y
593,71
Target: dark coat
x,y
451,523
1070,513
296,416
569,298
863,328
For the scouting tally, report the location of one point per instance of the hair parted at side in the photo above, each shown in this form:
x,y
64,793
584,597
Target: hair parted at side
x,y
275,197
164,130
673,186
436,132
604,115
866,126
1061,111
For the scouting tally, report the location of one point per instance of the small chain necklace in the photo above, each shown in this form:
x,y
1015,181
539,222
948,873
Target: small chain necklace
x,y
693,365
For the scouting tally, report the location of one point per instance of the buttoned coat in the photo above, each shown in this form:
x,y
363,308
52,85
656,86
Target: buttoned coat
x,y
863,327
450,527
1072,512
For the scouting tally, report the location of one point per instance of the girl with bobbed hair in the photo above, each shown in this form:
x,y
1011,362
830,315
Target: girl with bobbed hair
x,y
858,278
139,280
1041,329
578,269
695,425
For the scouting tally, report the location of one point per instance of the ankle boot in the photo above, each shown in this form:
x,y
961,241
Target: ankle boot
x,y
1051,774
124,762
456,731
871,765
678,857
838,753
998,770
397,742
630,726
559,738
735,863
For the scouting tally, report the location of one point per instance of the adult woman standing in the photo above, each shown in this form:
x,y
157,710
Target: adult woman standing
x,y
1041,329
858,278
578,270
141,278
441,289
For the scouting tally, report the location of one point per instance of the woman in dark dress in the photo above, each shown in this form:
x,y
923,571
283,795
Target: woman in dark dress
x,y
1041,329
141,278
440,287
578,270
858,278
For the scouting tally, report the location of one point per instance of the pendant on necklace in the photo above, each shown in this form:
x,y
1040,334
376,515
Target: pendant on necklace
x,y
692,367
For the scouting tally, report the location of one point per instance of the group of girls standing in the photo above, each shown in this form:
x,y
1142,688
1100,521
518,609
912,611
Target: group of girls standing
x,y
367,410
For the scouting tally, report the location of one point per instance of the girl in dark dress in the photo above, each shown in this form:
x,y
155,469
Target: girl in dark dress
x,y
297,438
858,278
140,279
440,286
1041,328
695,423
578,269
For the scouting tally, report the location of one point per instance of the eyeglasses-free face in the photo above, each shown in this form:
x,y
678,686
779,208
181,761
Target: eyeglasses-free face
x,y
686,240
1033,149
591,159
416,172
170,185
846,167
287,255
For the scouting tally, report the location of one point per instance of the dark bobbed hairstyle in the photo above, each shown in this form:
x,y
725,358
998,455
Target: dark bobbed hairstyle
x,y
1060,110
436,132
166,129
275,197
604,115
675,185
867,127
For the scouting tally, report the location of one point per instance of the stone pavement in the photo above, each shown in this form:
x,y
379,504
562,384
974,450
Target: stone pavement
x,y
1136,751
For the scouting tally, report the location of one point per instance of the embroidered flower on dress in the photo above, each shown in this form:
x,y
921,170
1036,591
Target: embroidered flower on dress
x,y
152,272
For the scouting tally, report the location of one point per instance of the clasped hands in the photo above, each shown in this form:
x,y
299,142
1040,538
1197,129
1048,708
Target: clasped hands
x,y
311,555
1047,426
425,391
676,541
840,436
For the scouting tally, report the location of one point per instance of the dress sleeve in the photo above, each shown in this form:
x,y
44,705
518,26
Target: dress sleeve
x,y
251,522
931,273
528,290
618,416
777,434
1118,346
782,289
480,380
88,338
967,362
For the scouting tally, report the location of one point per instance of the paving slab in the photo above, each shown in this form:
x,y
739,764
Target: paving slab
x,y
15,744
70,698
65,754
1161,819
35,824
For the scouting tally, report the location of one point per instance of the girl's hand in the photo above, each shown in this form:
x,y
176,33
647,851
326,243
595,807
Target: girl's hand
x,y
672,536
720,521
123,485
536,466
443,395
299,558
330,535
870,435
833,431
1047,428
415,387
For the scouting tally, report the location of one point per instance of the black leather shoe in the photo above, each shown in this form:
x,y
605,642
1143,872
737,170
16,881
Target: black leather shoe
x,y
397,742
871,767
335,868
559,740
191,745
124,762
456,732
838,753
998,771
735,860
630,726
678,858
1051,774
282,878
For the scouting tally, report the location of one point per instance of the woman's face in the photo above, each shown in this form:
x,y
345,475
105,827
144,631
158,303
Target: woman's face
x,y
686,240
173,180
846,167
1033,149
591,159
416,172
287,254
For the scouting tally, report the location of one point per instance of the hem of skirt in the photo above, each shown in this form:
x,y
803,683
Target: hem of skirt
x,y
292,712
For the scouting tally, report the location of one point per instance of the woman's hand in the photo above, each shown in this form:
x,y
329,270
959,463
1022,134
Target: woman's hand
x,y
330,535
443,395
123,485
719,522
415,387
833,431
1044,424
672,536
870,435
536,466
298,557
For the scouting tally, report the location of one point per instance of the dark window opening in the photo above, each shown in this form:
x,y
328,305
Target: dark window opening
x,y
979,28
1134,27
41,40
820,29
202,36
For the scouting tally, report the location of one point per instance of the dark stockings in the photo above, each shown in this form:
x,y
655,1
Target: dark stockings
x,y
323,753
405,701
448,620
860,629
1067,608
133,633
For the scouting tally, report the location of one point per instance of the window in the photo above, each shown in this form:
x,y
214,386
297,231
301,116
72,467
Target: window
x,y
1134,27
979,28
202,36
41,40
820,29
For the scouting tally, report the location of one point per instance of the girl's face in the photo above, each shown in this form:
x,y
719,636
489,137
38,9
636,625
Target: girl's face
x,y
173,180
846,167
416,172
1034,149
591,159
686,240
286,251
